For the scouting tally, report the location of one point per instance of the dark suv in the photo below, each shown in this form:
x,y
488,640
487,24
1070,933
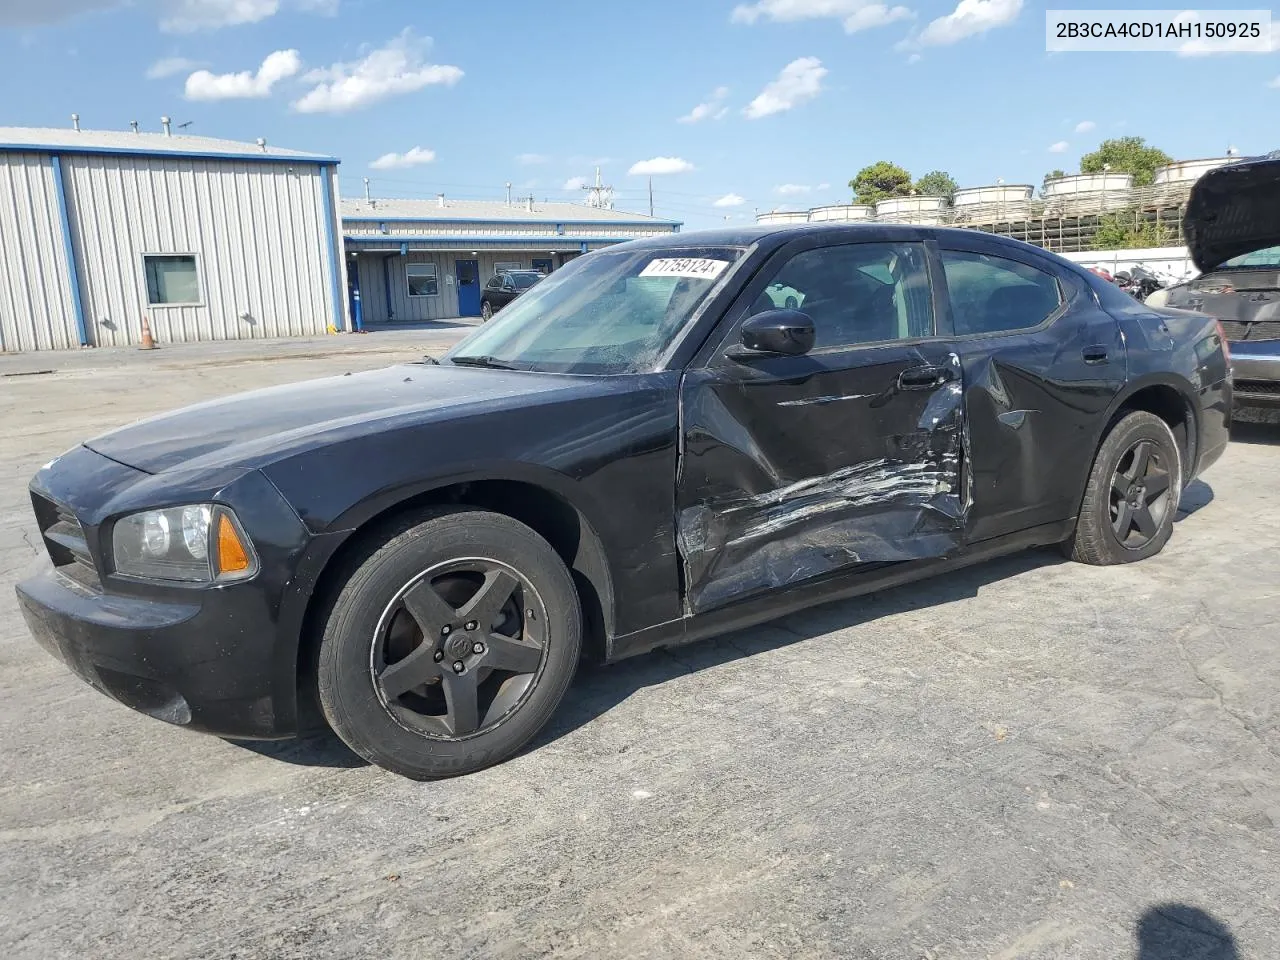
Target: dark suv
x,y
504,287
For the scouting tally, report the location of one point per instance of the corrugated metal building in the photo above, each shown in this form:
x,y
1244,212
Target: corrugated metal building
x,y
413,260
210,239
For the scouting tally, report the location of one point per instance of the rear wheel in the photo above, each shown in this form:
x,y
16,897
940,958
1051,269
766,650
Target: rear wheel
x,y
1132,495
486,311
450,646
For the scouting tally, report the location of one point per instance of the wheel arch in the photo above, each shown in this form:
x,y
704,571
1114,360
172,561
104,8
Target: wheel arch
x,y
538,503
1168,397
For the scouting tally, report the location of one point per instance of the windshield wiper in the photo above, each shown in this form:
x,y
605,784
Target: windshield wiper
x,y
492,363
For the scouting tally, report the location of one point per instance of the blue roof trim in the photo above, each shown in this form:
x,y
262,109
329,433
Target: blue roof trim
x,y
540,223
172,154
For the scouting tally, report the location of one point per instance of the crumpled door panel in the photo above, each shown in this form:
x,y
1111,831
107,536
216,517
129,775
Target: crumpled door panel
x,y
895,490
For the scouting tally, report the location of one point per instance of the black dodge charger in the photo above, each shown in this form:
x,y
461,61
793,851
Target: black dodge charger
x,y
643,450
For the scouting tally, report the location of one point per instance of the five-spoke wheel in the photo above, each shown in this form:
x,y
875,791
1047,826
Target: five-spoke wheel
x,y
450,644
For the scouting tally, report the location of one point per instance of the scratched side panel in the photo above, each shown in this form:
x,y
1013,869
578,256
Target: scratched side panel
x,y
785,478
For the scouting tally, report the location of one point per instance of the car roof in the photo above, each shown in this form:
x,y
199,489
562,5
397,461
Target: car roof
x,y
779,233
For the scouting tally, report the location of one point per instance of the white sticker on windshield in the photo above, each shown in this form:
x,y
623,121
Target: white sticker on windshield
x,y
696,268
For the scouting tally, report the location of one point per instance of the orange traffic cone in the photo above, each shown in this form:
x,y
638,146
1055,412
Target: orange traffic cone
x,y
148,342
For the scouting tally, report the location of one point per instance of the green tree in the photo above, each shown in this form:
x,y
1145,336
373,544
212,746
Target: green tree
x,y
937,183
880,180
1055,174
1124,231
1126,155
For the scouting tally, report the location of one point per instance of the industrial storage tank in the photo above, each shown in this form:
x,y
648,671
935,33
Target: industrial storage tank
x,y
1087,194
845,211
911,209
996,193
783,216
1189,171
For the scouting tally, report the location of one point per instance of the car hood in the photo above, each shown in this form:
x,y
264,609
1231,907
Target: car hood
x,y
1234,210
262,425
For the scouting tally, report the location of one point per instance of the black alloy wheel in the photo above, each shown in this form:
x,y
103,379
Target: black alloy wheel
x,y
1140,495
459,648
1131,497
451,638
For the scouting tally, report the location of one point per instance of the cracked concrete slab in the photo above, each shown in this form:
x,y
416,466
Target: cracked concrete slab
x,y
1029,759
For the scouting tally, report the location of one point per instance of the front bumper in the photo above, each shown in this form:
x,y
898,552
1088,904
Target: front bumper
x,y
1255,368
206,665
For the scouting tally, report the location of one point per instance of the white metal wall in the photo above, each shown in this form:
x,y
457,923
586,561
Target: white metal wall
x,y
499,228
36,307
257,229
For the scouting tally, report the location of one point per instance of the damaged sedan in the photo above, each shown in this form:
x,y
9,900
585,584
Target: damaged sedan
x,y
665,440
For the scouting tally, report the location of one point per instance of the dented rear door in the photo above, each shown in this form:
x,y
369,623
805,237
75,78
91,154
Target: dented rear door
x,y
795,467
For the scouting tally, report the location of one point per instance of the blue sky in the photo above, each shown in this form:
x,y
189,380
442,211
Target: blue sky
x,y
782,100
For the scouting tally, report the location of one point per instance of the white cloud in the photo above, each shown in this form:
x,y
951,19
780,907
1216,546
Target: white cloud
x,y
799,81
574,183
1060,147
729,200
203,85
1084,126
395,69
968,19
170,66
660,165
1275,83
529,159
187,16
413,157
914,58
712,108
823,186
792,189
854,15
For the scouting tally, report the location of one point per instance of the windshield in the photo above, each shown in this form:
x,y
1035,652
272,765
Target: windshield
x,y
1266,257
613,311
524,281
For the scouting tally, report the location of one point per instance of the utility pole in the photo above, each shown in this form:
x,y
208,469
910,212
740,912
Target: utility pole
x,y
651,196
599,195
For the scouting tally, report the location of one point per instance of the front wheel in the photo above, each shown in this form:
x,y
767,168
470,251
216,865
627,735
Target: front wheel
x,y
450,645
1132,495
486,311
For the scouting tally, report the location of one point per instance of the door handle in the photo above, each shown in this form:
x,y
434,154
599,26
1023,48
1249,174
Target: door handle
x,y
926,377
1094,354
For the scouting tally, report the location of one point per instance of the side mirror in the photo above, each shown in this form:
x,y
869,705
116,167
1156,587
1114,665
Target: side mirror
x,y
786,332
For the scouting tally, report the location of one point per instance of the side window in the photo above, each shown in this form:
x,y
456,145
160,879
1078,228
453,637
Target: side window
x,y
856,293
994,295
494,283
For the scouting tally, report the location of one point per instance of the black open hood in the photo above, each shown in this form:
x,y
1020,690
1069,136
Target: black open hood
x,y
1234,210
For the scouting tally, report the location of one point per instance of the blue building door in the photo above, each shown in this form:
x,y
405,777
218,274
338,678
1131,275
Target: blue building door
x,y
468,276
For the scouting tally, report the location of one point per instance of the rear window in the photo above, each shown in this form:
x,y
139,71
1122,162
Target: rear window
x,y
1266,257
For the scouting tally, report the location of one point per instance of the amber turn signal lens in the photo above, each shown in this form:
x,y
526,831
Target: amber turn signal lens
x,y
232,555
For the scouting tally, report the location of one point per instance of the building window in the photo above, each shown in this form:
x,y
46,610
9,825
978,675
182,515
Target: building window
x,y
422,279
172,279
507,265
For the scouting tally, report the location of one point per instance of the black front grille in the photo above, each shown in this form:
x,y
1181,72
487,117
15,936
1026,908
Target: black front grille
x,y
1270,388
65,540
1251,330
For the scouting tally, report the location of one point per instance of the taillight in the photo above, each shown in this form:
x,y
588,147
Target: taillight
x,y
1222,338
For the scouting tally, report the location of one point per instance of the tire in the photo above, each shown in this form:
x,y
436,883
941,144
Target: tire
x,y
439,568
1129,490
486,311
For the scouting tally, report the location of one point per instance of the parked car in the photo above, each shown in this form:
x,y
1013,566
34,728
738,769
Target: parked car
x,y
503,287
1232,226
603,470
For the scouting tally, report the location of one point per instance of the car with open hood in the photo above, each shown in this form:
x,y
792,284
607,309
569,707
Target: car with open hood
x,y
648,447
1232,225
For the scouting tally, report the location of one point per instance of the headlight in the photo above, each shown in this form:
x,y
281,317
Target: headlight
x,y
200,543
